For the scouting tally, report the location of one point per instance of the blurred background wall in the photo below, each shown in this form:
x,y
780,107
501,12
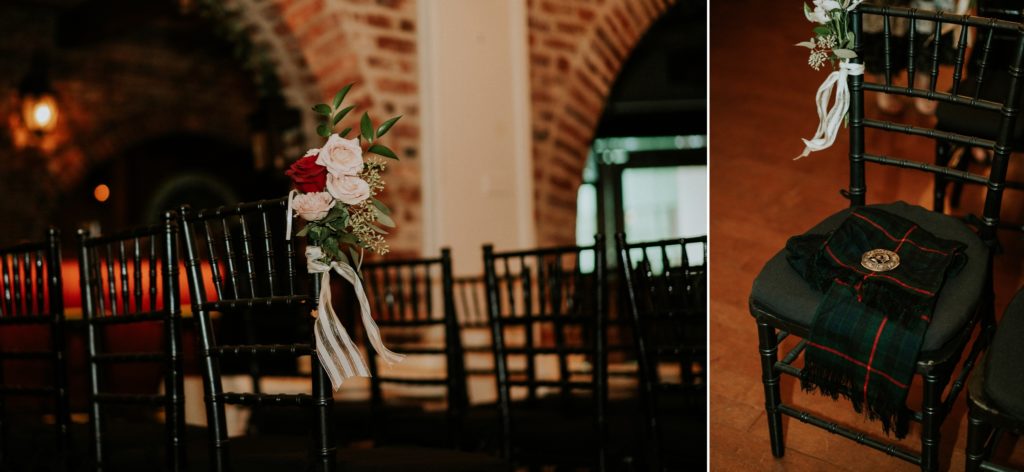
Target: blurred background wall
x,y
206,102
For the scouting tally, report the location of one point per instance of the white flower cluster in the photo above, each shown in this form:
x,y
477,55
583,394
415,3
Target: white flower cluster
x,y
822,12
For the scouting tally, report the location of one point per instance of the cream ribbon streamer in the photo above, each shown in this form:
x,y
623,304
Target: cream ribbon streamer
x,y
338,355
830,119
335,349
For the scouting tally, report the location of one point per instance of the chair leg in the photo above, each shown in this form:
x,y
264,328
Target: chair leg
x,y
932,416
769,346
977,436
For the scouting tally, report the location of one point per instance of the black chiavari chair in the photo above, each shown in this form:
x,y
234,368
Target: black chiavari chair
x,y
32,297
666,291
783,304
413,303
254,272
995,393
130,278
543,306
242,252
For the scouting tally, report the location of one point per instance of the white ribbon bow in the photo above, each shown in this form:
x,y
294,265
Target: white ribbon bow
x,y
830,119
338,355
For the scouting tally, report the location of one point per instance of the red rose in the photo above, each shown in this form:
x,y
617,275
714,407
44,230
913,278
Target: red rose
x,y
307,175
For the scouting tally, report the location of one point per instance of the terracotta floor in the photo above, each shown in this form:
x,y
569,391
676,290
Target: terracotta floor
x,y
761,105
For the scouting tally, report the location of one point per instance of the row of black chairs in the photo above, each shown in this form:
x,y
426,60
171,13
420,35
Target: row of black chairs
x,y
541,308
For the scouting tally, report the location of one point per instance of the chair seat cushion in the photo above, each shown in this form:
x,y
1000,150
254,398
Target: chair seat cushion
x,y
1004,377
781,292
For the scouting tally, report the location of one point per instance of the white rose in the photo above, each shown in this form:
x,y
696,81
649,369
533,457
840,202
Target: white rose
x,y
312,152
341,156
313,206
347,188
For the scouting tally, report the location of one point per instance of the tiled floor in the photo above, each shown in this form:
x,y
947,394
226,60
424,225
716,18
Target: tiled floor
x,y
761,105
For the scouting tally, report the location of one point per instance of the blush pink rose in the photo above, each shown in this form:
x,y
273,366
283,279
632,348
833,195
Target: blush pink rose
x,y
313,206
341,156
349,189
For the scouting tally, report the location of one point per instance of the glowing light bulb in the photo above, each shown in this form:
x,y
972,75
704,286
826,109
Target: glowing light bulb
x,y
43,114
40,113
101,193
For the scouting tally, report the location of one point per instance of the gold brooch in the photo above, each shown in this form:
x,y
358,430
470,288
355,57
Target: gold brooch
x,y
880,260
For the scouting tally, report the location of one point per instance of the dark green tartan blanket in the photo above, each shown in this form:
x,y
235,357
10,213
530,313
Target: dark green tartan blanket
x,y
868,329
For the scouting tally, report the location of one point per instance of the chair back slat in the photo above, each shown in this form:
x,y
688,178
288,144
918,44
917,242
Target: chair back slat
x,y
215,261
248,256
229,256
152,276
40,258
268,254
19,286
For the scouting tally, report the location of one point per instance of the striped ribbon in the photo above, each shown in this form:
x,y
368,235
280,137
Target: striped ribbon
x,y
335,349
338,355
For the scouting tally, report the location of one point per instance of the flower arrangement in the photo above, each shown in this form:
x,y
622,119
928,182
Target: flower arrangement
x,y
337,187
833,40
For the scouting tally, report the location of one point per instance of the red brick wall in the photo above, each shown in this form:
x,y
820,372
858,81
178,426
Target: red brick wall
x,y
372,43
576,50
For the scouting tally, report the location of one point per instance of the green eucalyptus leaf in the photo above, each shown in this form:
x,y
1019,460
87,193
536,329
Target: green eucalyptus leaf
x,y
340,96
323,130
366,127
382,150
317,233
844,53
322,108
341,114
304,231
822,31
344,133
348,238
378,229
386,126
342,258
380,206
355,256
383,218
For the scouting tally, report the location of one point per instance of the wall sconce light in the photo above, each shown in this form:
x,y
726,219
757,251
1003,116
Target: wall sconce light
x,y
39,110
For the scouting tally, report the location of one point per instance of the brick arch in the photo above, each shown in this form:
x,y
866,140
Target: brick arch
x,y
374,45
577,48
